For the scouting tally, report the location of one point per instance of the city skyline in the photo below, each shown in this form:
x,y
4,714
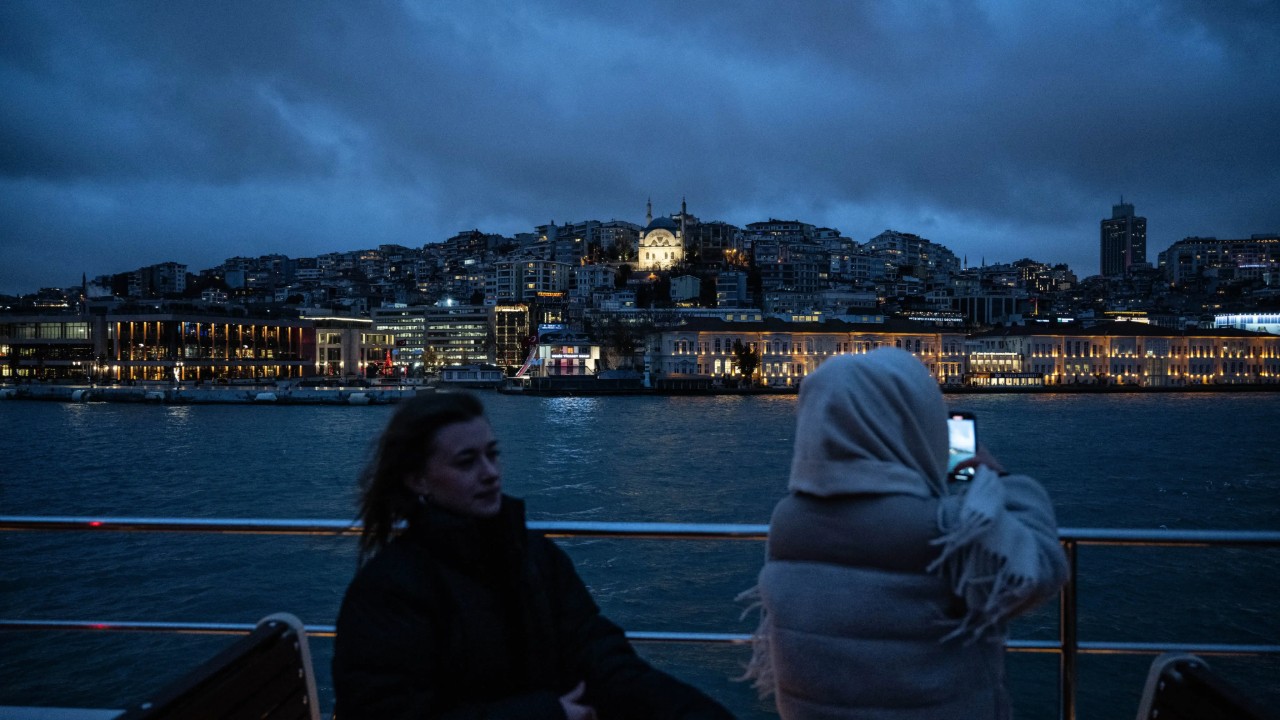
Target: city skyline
x,y
138,133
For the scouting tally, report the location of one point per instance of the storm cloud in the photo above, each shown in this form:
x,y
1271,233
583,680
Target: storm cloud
x,y
143,132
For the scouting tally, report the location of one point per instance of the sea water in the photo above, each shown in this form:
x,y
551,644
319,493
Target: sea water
x,y
1178,461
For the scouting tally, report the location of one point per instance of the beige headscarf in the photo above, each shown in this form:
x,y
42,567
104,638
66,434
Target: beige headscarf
x,y
873,423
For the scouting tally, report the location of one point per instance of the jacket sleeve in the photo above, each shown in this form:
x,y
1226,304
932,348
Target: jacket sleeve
x,y
619,683
386,661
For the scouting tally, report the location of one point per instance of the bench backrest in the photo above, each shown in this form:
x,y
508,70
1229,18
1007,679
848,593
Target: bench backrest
x,y
1182,687
266,674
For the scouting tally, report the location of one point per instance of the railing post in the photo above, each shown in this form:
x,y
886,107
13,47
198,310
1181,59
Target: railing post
x,y
1067,635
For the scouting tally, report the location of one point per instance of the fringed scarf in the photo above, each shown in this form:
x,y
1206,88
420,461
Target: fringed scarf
x,y
985,558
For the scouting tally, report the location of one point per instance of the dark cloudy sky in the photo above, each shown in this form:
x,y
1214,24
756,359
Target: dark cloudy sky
x,y
133,133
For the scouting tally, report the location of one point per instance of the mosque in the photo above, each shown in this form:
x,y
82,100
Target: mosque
x,y
662,242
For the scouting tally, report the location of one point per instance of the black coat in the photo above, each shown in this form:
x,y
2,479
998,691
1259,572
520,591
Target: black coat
x,y
464,618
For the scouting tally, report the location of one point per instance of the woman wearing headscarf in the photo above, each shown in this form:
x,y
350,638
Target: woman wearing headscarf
x,y
886,588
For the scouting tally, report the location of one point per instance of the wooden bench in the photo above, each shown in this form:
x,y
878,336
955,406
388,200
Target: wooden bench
x,y
1182,687
266,674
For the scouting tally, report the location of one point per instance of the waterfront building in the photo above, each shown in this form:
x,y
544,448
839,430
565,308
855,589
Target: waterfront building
x,y
1122,353
46,347
430,336
788,351
154,347
203,348
512,334
565,354
407,325
1123,240
350,346
458,334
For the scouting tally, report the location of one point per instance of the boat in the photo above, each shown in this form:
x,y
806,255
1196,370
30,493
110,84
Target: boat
x,y
475,375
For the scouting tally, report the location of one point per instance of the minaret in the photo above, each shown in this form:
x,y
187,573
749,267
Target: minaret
x,y
648,213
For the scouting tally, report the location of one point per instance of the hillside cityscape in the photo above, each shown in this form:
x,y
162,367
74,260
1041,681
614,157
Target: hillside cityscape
x,y
678,297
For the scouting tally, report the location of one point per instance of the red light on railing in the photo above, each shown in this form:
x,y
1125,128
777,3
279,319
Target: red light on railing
x,y
95,523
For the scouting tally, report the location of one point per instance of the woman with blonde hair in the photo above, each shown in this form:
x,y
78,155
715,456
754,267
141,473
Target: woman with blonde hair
x,y
460,611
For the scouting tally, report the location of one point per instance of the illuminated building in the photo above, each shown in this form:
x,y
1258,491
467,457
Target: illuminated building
x,y
53,347
349,346
155,347
662,241
406,325
511,335
203,348
430,336
1267,322
565,354
513,281
790,350
1126,353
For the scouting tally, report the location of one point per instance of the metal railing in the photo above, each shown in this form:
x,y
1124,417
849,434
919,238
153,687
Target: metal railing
x,y
1068,646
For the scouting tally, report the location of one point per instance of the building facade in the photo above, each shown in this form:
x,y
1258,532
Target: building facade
x,y
1194,258
1123,353
350,346
1123,241
177,347
788,351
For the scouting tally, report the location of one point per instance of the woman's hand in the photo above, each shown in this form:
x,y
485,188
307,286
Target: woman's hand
x,y
573,709
982,457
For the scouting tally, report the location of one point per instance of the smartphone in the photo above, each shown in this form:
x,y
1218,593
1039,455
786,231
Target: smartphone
x,y
962,429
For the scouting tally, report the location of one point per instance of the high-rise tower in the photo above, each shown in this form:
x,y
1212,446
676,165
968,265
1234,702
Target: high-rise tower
x,y
1124,240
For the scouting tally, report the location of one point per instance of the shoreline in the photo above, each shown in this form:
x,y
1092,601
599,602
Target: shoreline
x,y
240,394
284,394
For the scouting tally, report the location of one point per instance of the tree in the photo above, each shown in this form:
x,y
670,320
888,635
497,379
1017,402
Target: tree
x,y
620,340
748,359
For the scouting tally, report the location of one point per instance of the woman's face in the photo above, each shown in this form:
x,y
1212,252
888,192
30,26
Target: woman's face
x,y
462,473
